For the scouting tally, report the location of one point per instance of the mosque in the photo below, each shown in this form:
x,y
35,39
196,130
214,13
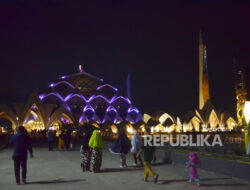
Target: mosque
x,y
73,99
80,98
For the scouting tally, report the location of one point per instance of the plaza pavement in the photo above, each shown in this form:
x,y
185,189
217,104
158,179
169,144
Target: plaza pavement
x,y
61,171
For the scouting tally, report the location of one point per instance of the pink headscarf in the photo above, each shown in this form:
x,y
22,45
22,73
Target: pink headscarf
x,y
194,158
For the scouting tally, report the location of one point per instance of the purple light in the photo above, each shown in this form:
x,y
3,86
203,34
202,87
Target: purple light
x,y
133,109
65,82
121,97
68,97
41,96
81,118
54,94
67,107
114,98
91,98
63,77
100,87
99,96
31,116
78,95
111,108
52,85
64,120
88,107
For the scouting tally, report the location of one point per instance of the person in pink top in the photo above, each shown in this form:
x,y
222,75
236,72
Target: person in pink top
x,y
192,164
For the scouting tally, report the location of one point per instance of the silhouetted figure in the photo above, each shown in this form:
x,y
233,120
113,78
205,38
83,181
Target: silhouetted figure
x,y
86,151
121,147
21,144
51,139
136,146
67,139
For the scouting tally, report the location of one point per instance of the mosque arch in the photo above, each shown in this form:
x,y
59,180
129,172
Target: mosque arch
x,y
6,116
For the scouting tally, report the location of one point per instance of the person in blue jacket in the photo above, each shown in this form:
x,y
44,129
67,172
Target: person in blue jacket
x,y
21,144
121,147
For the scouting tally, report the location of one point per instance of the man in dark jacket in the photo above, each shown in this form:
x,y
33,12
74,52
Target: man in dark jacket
x,y
51,139
22,145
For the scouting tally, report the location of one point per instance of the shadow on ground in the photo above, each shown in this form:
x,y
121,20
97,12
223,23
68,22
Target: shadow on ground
x,y
55,181
225,185
107,170
184,180
164,182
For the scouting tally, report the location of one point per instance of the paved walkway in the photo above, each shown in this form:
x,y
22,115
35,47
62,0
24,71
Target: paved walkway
x,y
61,170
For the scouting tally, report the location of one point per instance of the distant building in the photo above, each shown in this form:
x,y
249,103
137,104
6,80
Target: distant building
x,y
73,99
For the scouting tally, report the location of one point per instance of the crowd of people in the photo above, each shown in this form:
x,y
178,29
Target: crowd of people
x,y
91,152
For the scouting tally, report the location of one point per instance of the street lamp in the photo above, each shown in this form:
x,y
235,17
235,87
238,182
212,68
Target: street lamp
x,y
247,117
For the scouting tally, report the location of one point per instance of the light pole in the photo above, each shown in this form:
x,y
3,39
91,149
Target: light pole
x,y
246,128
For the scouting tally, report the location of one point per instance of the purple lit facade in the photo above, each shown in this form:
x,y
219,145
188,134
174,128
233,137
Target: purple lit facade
x,y
88,98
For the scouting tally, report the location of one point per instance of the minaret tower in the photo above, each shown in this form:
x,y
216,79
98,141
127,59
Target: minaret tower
x,y
204,94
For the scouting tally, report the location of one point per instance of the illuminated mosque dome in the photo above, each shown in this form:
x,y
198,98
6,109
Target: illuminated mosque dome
x,y
89,98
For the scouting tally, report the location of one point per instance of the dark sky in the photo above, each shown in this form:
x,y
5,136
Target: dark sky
x,y
156,42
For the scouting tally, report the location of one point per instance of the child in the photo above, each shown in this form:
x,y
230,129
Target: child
x,y
193,161
136,146
96,143
149,154
121,147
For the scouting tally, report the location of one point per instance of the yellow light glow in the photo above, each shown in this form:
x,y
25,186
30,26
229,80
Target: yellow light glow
x,y
130,129
157,129
152,129
114,129
146,117
247,111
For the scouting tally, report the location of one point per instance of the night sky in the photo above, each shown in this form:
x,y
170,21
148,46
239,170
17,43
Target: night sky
x,y
156,42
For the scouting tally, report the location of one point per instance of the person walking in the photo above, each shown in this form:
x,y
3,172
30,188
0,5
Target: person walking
x,y
149,154
21,144
121,147
136,146
51,139
67,139
96,144
86,151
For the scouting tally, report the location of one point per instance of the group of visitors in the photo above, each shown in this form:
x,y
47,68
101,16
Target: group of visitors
x,y
64,140
91,153
92,145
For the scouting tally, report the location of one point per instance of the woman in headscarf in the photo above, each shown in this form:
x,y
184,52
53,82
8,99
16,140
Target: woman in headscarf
x,y
136,146
61,141
96,143
121,146
86,150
